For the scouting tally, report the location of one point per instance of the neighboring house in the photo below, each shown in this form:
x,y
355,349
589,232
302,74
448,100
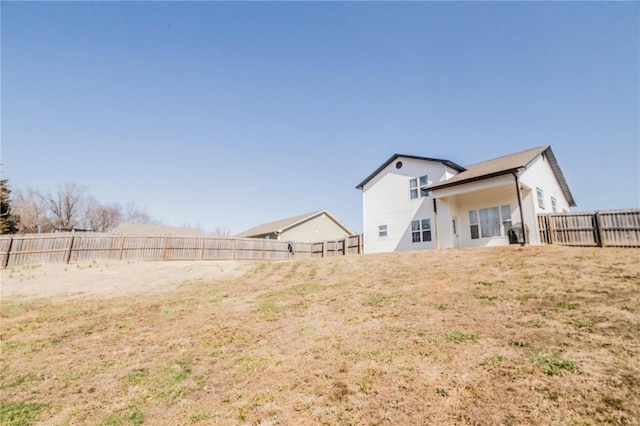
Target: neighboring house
x,y
414,203
171,231
311,227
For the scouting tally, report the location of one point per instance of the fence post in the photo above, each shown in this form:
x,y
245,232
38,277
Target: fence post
x,y
550,228
202,248
598,226
235,249
164,246
345,248
68,256
324,249
5,260
121,250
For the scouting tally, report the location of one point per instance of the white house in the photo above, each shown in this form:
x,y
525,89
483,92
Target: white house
x,y
414,203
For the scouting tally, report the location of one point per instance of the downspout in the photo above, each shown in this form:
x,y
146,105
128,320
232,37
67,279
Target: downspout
x,y
524,234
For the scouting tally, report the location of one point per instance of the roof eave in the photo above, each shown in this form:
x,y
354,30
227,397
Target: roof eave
x,y
447,163
443,185
559,176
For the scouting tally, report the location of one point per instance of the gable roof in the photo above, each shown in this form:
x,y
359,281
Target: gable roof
x,y
506,165
395,156
280,226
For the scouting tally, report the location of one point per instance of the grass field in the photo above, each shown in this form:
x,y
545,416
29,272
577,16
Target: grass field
x,y
513,336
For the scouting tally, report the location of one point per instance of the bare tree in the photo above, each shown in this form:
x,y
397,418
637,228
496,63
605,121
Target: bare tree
x,y
31,207
101,217
135,214
67,205
220,231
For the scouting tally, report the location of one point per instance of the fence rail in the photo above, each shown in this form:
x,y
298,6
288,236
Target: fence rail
x,y
613,228
17,250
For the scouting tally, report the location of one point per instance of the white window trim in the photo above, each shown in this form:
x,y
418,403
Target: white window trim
x,y
540,195
383,231
421,230
415,187
501,220
423,193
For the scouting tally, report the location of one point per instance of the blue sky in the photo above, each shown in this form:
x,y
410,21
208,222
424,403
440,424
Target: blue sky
x,y
236,114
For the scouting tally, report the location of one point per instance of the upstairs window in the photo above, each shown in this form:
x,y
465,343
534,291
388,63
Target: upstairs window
x,y
554,205
382,231
415,184
413,188
424,180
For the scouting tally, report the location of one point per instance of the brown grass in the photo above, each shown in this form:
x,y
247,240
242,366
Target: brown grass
x,y
535,335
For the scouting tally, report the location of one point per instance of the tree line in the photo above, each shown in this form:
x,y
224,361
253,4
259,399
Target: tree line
x,y
70,208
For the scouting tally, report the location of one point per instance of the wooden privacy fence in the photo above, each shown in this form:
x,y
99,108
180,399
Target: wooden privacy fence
x,y
65,248
614,228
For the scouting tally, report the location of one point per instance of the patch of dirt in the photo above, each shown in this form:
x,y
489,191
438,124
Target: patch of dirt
x,y
110,279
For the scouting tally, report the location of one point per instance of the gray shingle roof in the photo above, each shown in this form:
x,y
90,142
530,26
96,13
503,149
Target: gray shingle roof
x,y
505,165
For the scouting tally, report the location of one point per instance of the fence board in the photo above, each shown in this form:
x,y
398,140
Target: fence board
x,y
74,247
87,248
615,228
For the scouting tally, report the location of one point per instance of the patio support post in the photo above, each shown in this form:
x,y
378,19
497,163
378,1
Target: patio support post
x,y
435,220
524,234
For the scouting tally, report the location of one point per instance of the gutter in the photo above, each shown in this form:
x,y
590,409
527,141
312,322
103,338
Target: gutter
x,y
437,186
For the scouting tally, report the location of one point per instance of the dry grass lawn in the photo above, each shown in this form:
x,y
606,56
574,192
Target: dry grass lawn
x,y
511,335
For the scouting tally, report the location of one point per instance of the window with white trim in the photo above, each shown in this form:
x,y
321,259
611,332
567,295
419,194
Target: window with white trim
x,y
421,230
423,180
554,205
505,213
490,222
540,195
382,231
415,184
413,188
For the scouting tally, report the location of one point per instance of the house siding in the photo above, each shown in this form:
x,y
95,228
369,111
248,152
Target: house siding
x,y
386,201
530,216
540,175
319,228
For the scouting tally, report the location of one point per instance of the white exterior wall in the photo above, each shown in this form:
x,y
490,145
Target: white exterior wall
x,y
530,215
386,201
540,175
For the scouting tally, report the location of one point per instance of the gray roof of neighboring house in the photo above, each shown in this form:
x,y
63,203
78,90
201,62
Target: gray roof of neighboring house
x,y
505,165
395,156
280,226
143,229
